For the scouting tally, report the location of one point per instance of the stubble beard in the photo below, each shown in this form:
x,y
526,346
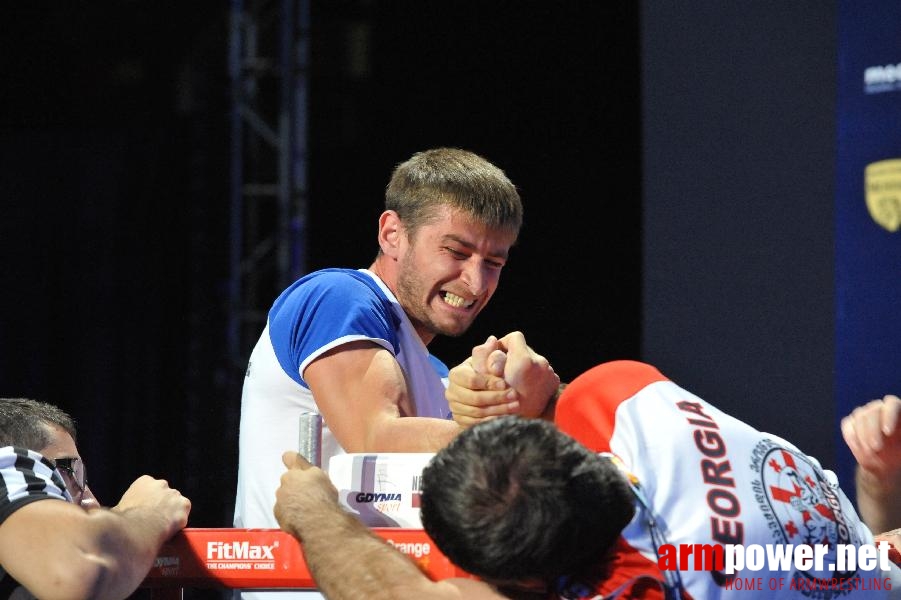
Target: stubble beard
x,y
410,289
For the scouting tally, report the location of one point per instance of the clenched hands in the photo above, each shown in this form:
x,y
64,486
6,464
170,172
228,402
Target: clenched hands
x,y
502,376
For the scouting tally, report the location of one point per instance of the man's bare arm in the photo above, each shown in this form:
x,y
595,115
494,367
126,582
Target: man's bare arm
x,y
346,559
58,550
362,394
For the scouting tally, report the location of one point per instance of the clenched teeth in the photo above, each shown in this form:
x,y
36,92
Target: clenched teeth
x,y
456,301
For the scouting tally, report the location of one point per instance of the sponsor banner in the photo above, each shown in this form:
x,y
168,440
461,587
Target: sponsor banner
x,y
266,559
867,211
382,490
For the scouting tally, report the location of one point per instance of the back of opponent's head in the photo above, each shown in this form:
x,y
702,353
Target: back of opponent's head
x,y
515,499
456,178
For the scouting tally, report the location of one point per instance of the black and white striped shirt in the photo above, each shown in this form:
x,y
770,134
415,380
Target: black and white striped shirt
x,y
25,477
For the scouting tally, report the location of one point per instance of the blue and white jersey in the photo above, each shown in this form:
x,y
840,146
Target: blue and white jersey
x,y
318,312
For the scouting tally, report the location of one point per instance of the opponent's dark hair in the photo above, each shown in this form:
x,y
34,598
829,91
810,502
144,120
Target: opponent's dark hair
x,y
515,499
24,423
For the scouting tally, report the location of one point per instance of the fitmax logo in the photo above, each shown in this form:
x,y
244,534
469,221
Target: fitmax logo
x,y
238,551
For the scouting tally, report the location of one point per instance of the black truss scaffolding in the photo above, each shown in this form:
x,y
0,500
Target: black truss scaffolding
x,y
269,72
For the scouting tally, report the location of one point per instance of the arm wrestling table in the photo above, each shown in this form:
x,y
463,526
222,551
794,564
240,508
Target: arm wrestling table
x,y
263,559
270,559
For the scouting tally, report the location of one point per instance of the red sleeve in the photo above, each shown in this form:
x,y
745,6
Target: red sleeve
x,y
629,564
587,407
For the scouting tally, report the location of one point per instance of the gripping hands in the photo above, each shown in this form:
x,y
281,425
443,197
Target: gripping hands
x,y
502,376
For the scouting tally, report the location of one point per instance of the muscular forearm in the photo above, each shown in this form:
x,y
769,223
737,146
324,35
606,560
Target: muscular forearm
x,y
410,434
879,500
125,544
61,552
349,561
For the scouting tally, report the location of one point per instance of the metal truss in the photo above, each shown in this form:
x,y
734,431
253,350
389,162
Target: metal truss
x,y
269,73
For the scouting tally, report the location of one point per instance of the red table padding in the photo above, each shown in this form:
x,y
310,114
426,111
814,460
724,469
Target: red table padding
x,y
266,559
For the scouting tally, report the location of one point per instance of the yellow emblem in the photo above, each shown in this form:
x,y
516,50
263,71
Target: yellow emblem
x,y
882,182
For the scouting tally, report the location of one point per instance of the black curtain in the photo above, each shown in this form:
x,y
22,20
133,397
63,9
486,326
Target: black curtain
x,y
115,171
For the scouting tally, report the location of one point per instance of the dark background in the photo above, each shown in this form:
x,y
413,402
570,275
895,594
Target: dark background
x,y
675,159
114,137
